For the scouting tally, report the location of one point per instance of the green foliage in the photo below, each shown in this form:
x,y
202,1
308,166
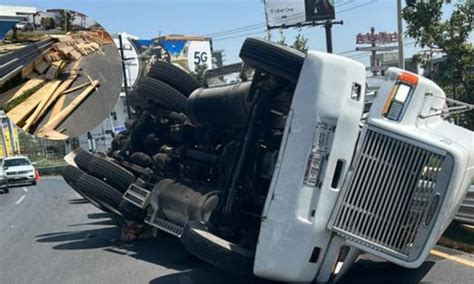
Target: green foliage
x,y
282,39
301,43
426,24
48,23
66,15
199,72
9,105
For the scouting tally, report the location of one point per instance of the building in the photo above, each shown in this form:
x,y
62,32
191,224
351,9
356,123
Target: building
x,y
11,15
186,51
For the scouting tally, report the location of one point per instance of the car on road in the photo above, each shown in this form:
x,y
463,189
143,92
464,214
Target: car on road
x,y
19,170
24,26
3,182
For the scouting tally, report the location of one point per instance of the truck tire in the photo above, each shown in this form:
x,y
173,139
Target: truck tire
x,y
82,159
174,76
114,174
100,192
161,93
71,175
272,58
216,251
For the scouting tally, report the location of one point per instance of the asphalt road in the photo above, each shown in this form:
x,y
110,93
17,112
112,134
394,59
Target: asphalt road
x,y
48,234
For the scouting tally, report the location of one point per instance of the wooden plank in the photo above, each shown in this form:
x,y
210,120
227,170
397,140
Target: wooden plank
x,y
60,101
27,70
55,121
53,71
58,106
41,67
30,84
73,89
74,55
20,113
47,101
46,93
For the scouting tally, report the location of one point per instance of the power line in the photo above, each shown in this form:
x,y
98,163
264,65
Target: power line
x,y
353,50
239,36
227,33
255,26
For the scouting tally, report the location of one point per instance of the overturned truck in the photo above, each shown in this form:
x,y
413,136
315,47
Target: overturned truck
x,y
278,175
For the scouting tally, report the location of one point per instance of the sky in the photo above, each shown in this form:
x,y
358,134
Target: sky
x,y
148,19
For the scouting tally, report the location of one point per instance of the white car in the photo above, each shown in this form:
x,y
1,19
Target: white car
x,y
24,26
19,170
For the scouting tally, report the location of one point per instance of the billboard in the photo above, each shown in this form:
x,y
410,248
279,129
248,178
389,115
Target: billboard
x,y
9,143
199,53
296,12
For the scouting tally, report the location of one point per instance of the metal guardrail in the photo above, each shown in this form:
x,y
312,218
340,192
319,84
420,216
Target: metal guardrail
x,y
13,62
51,171
465,213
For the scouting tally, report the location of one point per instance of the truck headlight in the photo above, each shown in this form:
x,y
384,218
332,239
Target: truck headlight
x,y
400,96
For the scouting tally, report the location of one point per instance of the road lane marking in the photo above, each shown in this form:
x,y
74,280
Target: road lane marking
x,y
453,258
21,199
25,189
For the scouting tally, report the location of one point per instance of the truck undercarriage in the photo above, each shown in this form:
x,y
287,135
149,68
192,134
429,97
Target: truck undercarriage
x,y
274,176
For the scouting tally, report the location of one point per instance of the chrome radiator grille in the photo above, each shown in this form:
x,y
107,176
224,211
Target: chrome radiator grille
x,y
395,188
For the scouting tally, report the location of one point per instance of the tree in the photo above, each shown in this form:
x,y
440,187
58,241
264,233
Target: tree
x,y
48,23
199,72
282,39
453,73
66,19
301,43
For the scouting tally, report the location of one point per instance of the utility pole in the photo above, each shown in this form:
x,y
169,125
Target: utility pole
x,y
328,28
401,59
125,83
374,52
65,21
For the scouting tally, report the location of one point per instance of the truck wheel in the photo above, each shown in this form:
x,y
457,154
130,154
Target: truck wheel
x,y
272,58
83,158
216,251
174,76
100,192
161,93
71,175
114,174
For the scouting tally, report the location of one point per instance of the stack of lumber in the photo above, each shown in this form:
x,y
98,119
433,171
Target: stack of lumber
x,y
41,94
67,47
99,36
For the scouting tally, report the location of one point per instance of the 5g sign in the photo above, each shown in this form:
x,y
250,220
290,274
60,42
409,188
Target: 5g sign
x,y
199,53
200,57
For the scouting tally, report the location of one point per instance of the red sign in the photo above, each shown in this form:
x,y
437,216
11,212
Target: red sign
x,y
381,37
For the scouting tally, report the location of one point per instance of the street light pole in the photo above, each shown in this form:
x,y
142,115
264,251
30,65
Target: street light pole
x,y
401,59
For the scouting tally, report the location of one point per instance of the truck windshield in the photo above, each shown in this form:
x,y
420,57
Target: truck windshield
x,y
15,162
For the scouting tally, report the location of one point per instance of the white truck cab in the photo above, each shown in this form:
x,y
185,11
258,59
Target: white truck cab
x,y
390,190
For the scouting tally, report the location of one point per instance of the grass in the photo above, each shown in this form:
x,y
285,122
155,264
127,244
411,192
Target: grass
x,y
15,102
46,163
